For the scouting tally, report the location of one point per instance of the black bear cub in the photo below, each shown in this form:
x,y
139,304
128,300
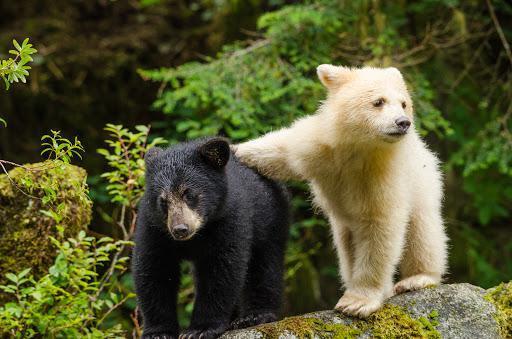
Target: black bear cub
x,y
202,205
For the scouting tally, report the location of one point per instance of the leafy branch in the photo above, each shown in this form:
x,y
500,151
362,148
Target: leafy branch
x,y
126,157
15,68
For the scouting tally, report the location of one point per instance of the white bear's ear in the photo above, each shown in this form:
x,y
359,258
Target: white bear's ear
x,y
395,71
332,76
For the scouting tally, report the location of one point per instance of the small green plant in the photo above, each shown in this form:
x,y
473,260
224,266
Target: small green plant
x,y
59,148
72,300
80,289
126,180
83,287
126,157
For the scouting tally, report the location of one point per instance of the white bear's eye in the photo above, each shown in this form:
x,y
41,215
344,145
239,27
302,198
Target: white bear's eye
x,y
404,105
379,102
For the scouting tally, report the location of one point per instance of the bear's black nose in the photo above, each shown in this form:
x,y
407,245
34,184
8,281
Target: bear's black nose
x,y
180,231
403,123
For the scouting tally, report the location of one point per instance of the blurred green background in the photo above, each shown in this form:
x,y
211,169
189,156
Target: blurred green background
x,y
241,68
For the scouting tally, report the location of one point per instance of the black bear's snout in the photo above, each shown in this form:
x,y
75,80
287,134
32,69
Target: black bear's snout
x,y
180,232
403,123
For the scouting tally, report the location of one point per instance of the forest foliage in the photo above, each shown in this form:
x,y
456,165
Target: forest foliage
x,y
267,81
241,83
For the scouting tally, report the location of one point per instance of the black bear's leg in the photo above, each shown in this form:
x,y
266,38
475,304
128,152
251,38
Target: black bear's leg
x,y
156,282
220,278
264,287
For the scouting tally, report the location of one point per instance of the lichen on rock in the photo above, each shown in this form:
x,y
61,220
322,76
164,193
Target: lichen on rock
x,y
24,229
501,297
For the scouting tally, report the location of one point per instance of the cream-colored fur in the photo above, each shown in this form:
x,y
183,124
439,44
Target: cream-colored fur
x,y
381,193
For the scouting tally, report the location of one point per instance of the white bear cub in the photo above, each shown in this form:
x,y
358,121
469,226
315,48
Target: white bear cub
x,y
373,177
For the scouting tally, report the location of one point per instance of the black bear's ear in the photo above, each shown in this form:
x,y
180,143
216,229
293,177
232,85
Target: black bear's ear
x,y
151,154
215,151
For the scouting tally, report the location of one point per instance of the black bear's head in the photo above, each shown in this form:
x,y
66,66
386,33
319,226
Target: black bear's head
x,y
187,184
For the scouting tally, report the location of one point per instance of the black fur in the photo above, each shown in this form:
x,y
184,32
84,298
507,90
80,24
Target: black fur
x,y
238,254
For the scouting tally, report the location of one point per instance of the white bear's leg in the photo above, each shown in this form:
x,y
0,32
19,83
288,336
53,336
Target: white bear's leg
x,y
424,258
269,154
377,250
344,248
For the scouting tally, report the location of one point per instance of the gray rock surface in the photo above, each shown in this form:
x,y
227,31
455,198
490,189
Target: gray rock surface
x,y
447,311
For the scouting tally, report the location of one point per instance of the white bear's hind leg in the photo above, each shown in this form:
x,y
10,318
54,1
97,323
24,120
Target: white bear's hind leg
x,y
376,252
424,259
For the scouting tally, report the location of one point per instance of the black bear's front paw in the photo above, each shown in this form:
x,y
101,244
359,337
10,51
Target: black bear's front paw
x,y
159,336
206,333
253,320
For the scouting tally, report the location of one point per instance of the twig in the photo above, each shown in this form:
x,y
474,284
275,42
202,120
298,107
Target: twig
x,y
16,185
113,264
252,47
113,308
469,65
137,332
144,144
42,167
109,273
500,31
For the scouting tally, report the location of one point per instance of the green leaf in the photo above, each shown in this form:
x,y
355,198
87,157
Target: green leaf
x,y
12,277
16,45
23,273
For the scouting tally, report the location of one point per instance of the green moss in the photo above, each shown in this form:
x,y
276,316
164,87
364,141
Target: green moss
x,y
390,322
304,327
24,230
393,322
501,297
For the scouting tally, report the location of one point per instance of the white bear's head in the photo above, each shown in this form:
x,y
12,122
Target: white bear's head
x,y
369,104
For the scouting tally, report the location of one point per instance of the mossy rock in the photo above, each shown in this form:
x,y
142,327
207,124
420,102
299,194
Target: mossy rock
x,y
447,311
501,297
24,229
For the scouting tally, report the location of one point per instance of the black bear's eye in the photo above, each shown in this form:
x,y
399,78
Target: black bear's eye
x,y
189,197
379,102
162,202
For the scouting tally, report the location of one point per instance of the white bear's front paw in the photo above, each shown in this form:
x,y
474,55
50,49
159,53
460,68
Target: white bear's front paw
x,y
359,305
416,282
233,147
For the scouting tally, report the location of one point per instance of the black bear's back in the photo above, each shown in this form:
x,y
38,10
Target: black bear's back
x,y
264,200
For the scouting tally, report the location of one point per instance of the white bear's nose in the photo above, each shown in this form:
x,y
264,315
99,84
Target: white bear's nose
x,y
403,123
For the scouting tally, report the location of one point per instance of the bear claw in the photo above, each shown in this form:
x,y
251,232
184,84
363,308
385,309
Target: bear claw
x,y
358,305
253,320
210,333
159,336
